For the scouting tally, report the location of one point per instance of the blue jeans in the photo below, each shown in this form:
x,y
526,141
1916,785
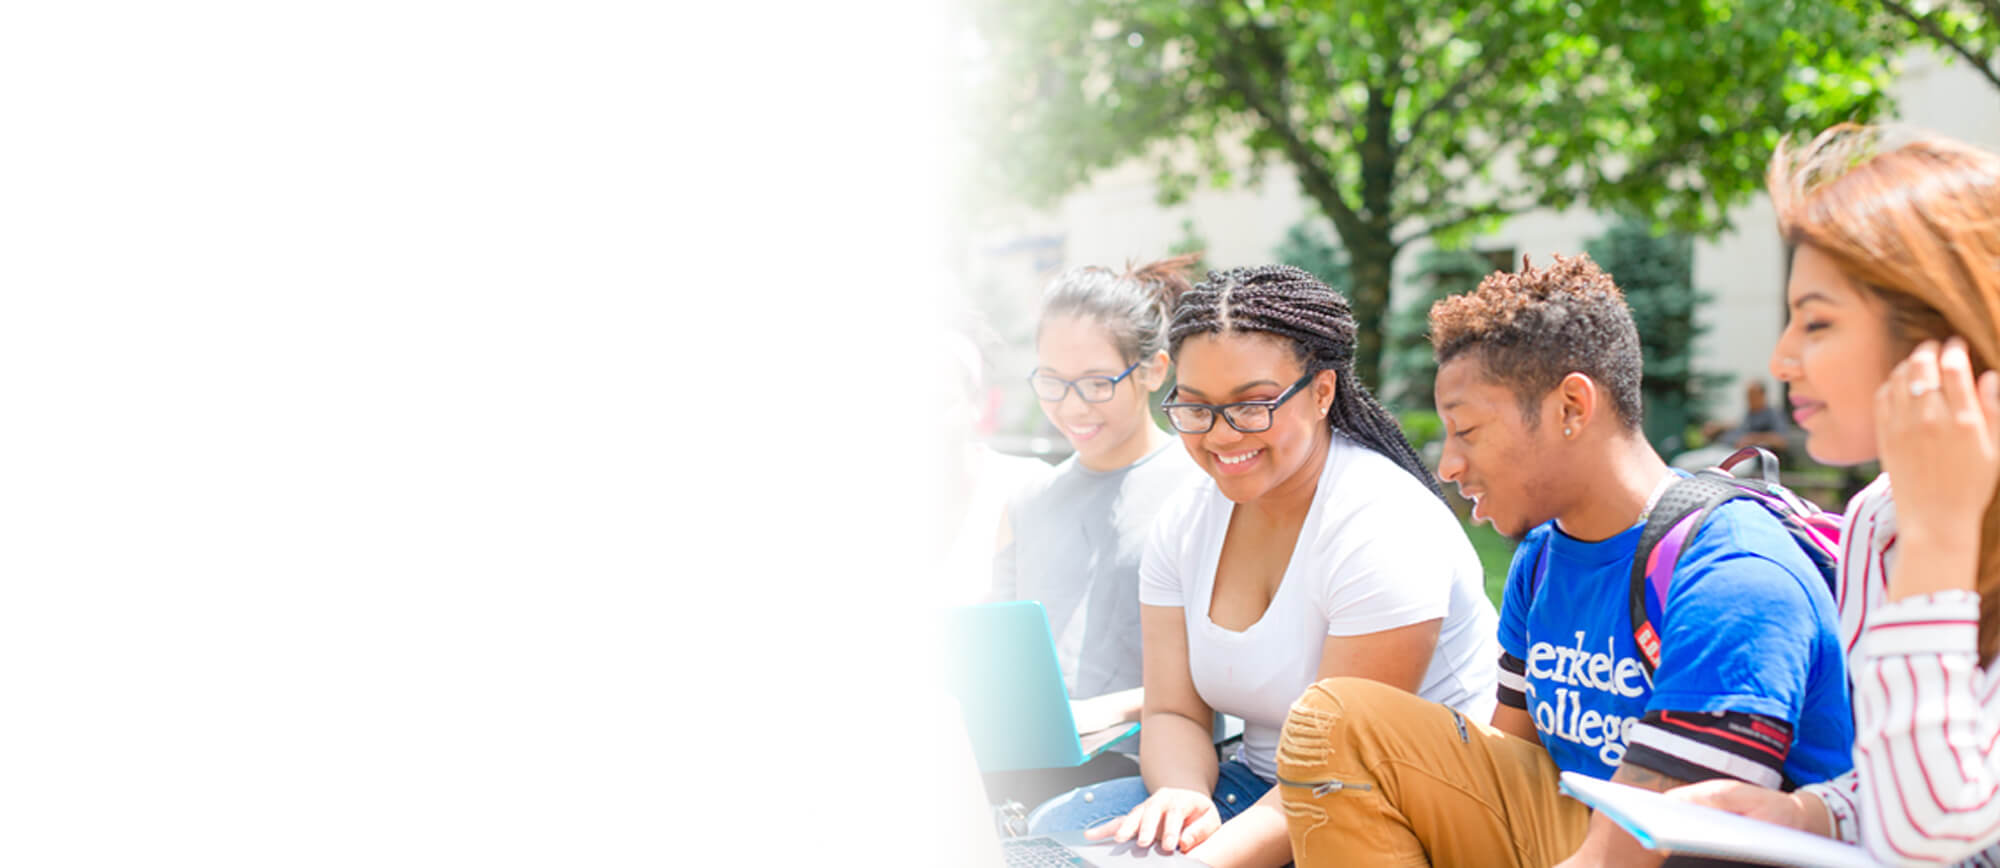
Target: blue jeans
x,y
1236,788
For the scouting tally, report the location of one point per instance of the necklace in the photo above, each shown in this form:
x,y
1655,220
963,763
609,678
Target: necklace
x,y
1659,491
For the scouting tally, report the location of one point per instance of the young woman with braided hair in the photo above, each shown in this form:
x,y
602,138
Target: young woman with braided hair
x,y
1291,304
1319,547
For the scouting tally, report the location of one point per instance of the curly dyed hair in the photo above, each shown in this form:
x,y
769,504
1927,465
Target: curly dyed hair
x,y
1293,306
1533,327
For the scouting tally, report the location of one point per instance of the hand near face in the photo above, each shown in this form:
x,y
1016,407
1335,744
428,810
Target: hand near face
x,y
1939,434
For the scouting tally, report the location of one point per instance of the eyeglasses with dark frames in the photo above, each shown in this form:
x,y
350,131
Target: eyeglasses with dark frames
x,y
1249,417
1095,390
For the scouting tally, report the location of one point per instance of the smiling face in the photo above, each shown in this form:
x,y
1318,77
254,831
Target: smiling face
x,y
1501,460
1836,350
1223,368
1109,434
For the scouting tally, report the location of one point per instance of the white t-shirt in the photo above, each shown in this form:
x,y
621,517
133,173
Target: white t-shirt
x,y
1378,551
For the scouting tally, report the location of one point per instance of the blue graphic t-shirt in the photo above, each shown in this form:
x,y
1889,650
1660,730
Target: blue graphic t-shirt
x,y
1748,626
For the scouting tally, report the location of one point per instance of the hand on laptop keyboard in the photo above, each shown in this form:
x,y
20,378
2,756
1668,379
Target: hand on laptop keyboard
x,y
1171,819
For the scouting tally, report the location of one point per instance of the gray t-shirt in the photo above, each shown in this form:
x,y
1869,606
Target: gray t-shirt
x,y
1078,536
1765,421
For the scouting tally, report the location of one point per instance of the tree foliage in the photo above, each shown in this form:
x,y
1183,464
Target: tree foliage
x,y
1403,121
1411,363
1192,242
1304,246
1968,30
1656,272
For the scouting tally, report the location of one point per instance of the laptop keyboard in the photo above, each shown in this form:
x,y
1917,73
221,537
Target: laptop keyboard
x,y
1041,853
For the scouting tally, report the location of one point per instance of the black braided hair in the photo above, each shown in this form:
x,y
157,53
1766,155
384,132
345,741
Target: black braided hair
x,y
1316,322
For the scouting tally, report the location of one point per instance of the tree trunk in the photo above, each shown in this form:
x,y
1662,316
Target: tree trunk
x,y
1371,261
1370,247
1363,231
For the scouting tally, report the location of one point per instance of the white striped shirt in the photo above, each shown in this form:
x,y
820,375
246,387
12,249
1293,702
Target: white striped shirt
x,y
1926,715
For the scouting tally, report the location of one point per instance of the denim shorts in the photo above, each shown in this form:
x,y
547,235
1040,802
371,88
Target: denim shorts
x,y
1236,788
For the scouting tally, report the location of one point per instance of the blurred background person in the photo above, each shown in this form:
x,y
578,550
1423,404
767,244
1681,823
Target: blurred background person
x,y
1763,425
968,528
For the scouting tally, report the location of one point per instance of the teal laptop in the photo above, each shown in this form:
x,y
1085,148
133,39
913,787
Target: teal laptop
x,y
1001,665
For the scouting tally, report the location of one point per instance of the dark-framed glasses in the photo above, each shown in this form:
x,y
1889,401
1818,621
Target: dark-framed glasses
x,y
1095,390
1248,417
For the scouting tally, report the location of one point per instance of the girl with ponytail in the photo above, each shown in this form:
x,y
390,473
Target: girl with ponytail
x,y
1072,540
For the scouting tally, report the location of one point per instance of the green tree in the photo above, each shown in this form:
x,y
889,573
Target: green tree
x,y
1191,242
1656,272
1306,247
1404,121
1411,364
1966,29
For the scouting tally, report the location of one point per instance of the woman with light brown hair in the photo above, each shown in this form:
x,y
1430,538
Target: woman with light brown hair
x,y
1894,301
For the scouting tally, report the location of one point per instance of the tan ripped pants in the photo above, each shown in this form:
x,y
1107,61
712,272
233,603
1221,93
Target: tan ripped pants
x,y
1373,776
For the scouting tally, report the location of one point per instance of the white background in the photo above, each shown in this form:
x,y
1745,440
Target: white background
x,y
420,446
